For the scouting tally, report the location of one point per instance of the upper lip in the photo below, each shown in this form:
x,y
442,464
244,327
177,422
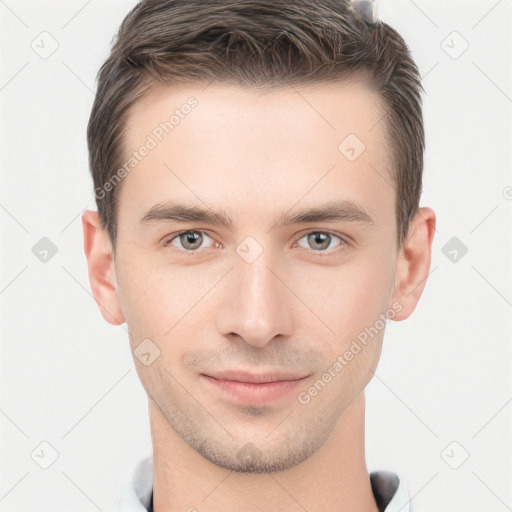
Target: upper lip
x,y
256,378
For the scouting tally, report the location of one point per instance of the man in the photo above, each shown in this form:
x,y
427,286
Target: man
x,y
257,167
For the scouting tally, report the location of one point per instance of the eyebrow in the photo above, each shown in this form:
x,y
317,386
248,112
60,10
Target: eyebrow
x,y
345,211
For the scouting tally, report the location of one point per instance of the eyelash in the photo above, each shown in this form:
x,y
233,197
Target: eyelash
x,y
343,243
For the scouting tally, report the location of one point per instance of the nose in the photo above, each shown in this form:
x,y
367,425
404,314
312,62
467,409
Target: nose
x,y
256,305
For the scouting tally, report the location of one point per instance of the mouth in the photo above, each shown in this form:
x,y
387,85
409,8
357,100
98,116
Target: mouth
x,y
254,388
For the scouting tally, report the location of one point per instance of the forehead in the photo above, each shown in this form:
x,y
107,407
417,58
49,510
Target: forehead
x,y
351,103
256,148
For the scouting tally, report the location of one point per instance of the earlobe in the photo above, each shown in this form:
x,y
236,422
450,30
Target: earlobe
x,y
413,262
102,278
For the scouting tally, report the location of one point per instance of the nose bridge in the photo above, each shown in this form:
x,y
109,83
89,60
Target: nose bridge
x,y
256,282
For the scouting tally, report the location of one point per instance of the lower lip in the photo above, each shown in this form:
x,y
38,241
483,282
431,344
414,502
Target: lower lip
x,y
252,393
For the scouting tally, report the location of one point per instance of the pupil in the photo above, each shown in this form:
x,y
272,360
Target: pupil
x,y
319,238
191,237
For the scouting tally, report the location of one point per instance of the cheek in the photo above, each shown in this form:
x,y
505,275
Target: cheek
x,y
145,295
159,299
350,297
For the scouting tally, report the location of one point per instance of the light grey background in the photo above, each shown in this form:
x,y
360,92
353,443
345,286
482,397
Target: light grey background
x,y
443,388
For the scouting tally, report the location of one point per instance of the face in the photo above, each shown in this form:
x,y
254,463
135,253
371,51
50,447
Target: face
x,y
251,307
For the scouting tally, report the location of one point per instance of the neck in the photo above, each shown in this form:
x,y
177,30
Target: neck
x,y
334,478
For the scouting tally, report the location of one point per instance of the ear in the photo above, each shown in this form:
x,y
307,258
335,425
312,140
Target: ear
x,y
413,262
98,251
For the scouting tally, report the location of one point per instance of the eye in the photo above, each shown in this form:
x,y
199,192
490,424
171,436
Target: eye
x,y
320,241
189,241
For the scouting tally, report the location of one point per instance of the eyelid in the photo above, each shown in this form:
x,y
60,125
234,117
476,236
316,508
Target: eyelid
x,y
343,237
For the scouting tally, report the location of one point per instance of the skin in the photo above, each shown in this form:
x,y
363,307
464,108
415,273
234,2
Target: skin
x,y
296,307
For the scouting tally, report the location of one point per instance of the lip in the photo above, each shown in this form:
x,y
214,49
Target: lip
x,y
256,378
254,388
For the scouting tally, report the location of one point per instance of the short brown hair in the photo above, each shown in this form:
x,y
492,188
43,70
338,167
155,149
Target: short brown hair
x,y
255,43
